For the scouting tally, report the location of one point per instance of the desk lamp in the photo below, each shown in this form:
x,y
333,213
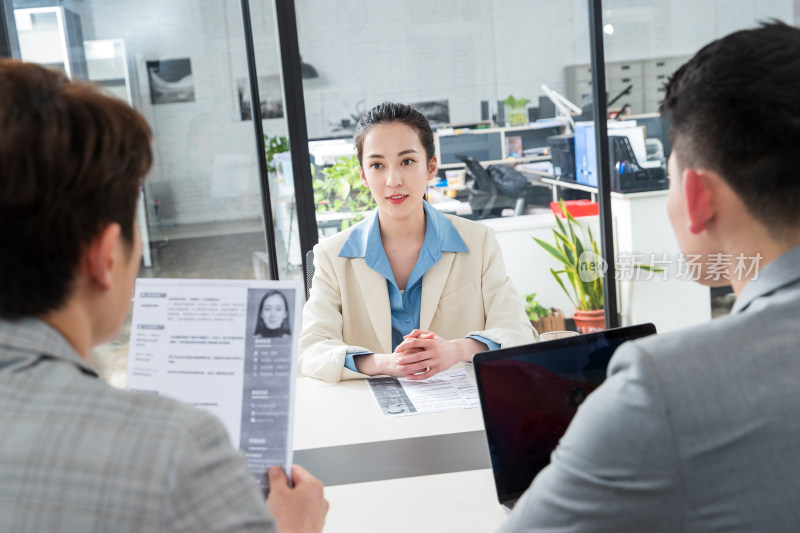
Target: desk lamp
x,y
564,106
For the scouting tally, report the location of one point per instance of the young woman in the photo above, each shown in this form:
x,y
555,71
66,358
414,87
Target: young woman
x,y
408,291
273,316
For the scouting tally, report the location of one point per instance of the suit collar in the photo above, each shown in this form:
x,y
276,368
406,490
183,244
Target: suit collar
x,y
375,298
30,339
440,235
781,272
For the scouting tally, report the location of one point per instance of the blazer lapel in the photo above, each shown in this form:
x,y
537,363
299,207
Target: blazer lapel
x,y
376,301
432,286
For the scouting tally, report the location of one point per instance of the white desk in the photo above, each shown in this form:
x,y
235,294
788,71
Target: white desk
x,y
464,502
421,473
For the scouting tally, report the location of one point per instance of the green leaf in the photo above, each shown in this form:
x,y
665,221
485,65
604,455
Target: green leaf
x,y
561,226
577,289
555,252
568,247
561,284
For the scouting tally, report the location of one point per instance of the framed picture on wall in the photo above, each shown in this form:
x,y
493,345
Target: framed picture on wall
x,y
437,112
170,81
269,93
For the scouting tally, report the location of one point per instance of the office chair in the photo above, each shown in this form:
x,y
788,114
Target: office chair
x,y
503,186
511,184
484,192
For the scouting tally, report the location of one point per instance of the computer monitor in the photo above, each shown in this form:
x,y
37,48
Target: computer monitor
x,y
536,137
481,146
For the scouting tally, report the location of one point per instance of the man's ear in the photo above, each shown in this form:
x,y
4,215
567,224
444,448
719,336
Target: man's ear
x,y
101,254
697,189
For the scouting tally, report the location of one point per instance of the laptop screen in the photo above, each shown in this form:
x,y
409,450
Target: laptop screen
x,y
530,393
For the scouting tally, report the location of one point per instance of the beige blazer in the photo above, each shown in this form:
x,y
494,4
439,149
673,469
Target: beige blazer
x,y
463,293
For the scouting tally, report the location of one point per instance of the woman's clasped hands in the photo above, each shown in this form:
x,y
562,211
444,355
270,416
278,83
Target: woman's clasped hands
x,y
423,354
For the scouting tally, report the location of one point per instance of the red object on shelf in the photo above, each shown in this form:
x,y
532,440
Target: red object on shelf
x,y
577,208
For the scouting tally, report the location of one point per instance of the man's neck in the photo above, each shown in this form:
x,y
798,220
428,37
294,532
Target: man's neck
x,y
74,325
762,248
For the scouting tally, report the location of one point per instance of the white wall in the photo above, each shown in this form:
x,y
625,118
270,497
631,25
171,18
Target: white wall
x,y
205,167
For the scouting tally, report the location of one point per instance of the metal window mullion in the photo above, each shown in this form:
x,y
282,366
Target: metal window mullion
x,y
603,164
255,109
286,23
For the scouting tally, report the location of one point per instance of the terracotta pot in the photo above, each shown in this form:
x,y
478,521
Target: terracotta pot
x,y
554,322
589,321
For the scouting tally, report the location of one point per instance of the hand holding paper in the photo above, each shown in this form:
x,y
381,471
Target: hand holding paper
x,y
299,508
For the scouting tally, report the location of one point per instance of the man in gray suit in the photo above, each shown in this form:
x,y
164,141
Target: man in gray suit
x,y
698,430
76,454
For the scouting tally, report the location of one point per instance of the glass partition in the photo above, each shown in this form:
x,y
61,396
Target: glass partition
x,y
183,65
645,42
480,72
491,78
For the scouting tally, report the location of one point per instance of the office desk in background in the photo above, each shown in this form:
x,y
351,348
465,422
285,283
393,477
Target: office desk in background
x,y
421,473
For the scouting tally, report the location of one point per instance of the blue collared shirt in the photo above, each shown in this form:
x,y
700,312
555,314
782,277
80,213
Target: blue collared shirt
x,y
440,236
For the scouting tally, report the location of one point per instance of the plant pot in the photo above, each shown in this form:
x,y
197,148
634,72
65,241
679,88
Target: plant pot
x,y
554,322
589,321
517,116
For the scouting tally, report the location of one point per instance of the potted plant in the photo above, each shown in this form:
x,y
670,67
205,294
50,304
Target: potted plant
x,y
340,189
583,268
543,318
516,110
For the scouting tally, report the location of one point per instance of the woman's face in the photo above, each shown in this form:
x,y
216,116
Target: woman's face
x,y
396,169
273,312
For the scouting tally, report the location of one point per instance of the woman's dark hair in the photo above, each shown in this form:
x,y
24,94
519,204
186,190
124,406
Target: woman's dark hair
x,y
389,112
71,163
261,327
734,109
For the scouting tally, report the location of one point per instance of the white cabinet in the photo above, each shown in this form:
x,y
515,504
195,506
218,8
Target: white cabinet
x,y
647,76
642,231
51,36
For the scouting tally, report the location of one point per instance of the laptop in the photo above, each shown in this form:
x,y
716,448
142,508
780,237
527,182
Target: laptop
x,y
529,395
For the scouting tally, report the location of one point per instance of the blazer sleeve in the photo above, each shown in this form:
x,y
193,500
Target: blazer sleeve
x,y
322,350
209,487
617,467
506,321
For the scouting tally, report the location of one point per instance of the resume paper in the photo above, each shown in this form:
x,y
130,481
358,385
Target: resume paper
x,y
446,391
228,347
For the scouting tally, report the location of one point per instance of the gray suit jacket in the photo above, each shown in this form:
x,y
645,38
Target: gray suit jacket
x,y
79,455
692,431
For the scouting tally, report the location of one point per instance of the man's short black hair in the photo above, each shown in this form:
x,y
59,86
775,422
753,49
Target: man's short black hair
x,y
734,109
71,162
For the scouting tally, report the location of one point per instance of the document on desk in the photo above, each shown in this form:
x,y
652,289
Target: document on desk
x,y
446,391
228,347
